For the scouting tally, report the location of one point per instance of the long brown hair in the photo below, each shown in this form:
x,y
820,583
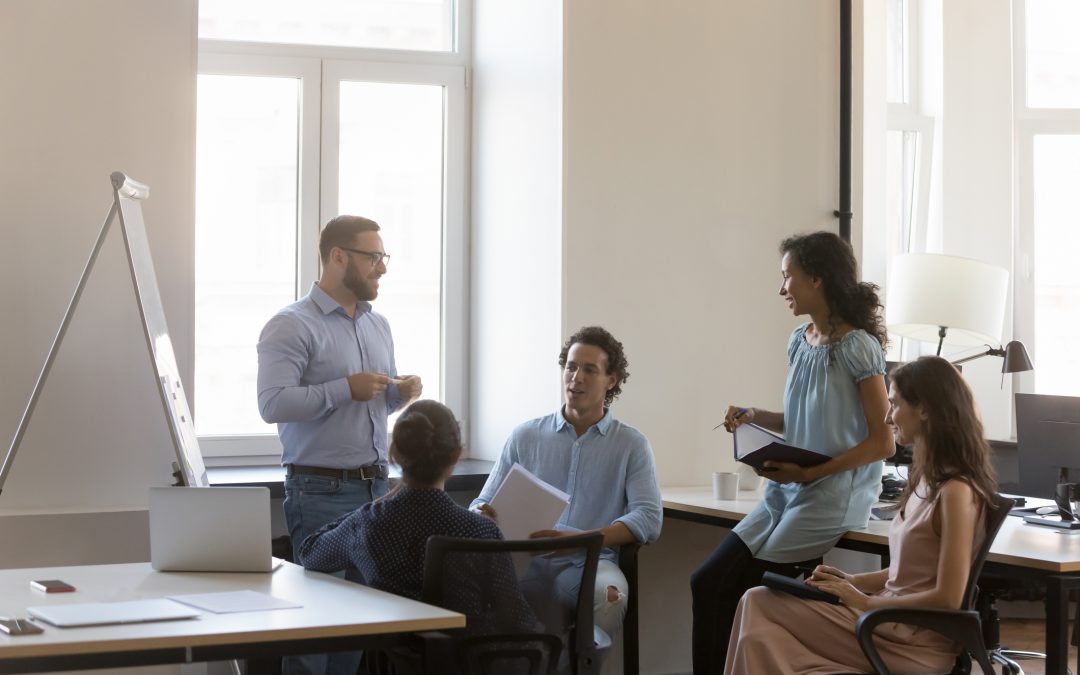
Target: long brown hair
x,y
953,433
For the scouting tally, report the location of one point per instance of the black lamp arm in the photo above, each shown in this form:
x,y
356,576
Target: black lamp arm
x,y
990,351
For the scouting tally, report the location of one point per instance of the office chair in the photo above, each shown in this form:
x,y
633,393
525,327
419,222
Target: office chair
x,y
962,625
488,654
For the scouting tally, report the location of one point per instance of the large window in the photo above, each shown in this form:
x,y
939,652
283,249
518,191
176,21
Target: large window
x,y
290,136
908,150
1048,137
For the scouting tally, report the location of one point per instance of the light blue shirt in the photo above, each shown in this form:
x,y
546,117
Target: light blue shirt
x,y
306,352
822,412
608,471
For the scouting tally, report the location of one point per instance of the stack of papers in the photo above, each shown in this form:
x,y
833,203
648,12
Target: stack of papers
x,y
526,504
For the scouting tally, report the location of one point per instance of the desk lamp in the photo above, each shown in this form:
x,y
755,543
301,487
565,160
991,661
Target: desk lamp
x,y
956,300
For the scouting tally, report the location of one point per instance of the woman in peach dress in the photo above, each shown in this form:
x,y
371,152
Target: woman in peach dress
x,y
932,542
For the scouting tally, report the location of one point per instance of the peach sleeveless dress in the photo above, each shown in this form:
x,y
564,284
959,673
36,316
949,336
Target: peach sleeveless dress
x,y
777,633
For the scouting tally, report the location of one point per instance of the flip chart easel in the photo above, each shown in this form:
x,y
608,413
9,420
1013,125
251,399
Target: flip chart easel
x,y
127,208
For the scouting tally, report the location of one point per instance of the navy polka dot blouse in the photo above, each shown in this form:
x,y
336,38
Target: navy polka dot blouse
x,y
385,541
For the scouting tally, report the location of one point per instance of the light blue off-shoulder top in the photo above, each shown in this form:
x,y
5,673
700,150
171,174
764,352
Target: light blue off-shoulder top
x,y
822,412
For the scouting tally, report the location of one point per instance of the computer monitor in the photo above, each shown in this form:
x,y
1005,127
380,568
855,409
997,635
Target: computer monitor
x,y
1047,442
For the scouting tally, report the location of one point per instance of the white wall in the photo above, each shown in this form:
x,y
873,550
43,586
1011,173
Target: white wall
x,y
516,217
697,136
91,88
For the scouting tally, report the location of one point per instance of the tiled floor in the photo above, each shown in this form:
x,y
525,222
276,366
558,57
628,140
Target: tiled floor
x,y
1029,634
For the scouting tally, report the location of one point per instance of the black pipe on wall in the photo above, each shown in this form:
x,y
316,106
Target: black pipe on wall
x,y
844,212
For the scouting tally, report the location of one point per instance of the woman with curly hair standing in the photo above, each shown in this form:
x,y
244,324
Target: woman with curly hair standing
x,y
835,404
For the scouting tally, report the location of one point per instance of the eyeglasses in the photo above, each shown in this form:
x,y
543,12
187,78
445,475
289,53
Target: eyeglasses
x,y
375,257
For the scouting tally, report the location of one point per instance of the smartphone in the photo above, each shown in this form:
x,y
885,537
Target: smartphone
x,y
52,586
19,627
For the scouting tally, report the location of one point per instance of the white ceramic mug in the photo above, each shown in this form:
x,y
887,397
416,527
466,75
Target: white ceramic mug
x,y
725,485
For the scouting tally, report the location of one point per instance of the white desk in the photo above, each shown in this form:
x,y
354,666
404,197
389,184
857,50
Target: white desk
x,y
1023,550
336,614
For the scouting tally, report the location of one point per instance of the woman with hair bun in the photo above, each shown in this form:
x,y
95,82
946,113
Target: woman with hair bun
x,y
386,539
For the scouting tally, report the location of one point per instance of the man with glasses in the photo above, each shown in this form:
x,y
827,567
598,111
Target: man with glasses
x,y
327,377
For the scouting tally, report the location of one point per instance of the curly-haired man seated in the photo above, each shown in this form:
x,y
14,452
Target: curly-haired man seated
x,y
605,466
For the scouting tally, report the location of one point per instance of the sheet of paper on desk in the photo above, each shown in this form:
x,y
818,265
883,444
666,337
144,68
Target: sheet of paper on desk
x,y
234,601
525,504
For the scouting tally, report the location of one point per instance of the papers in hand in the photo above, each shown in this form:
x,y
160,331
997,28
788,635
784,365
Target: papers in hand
x,y
525,504
755,446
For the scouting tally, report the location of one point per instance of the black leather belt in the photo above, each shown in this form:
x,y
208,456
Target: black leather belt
x,y
363,473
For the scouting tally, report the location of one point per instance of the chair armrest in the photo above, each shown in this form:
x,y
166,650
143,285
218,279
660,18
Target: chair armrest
x,y
962,626
434,649
628,564
628,554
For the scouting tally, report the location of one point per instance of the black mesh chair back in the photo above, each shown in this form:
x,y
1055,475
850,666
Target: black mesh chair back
x,y
995,517
483,654
962,625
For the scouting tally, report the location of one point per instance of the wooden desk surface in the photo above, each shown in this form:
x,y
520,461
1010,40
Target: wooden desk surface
x,y
1017,544
332,607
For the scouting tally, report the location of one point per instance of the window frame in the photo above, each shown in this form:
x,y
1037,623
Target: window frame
x,y
315,66
1029,123
907,116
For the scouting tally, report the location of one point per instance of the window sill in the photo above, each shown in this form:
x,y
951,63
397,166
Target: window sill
x,y
469,476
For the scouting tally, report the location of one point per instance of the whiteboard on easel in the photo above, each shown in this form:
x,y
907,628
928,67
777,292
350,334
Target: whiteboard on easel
x,y
128,197
127,209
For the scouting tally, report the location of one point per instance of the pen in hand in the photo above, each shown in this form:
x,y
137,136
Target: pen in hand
x,y
739,413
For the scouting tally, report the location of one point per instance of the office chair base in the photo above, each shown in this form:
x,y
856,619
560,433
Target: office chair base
x,y
1020,654
1007,665
1008,659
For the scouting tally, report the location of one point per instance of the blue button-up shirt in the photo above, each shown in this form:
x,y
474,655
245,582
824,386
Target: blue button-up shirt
x,y
306,352
608,471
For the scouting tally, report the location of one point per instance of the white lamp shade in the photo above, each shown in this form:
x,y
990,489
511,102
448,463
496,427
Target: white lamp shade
x,y
928,290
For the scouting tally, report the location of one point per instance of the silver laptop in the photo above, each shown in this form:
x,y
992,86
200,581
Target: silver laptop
x,y
104,613
210,529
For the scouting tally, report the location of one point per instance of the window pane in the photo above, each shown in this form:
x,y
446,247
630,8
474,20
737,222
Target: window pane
x,y
245,238
391,170
896,54
1057,239
388,24
1053,54
900,177
901,168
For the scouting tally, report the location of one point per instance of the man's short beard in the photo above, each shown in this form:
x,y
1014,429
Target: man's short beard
x,y
358,284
